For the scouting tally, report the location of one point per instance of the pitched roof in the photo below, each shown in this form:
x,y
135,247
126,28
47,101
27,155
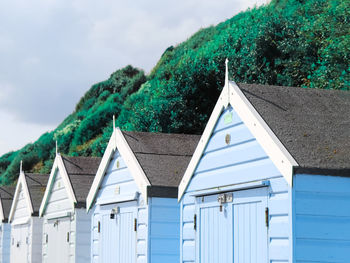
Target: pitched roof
x,y
81,172
36,186
313,124
163,157
6,197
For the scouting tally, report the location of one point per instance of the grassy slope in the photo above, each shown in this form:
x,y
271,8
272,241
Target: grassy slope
x,y
289,42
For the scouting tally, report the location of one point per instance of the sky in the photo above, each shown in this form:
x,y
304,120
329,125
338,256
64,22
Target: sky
x,y
52,51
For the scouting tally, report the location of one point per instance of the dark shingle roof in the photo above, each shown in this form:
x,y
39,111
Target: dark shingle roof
x,y
81,172
36,186
313,124
6,195
163,157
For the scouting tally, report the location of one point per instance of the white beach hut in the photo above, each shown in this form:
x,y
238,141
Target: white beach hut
x,y
66,226
6,197
26,226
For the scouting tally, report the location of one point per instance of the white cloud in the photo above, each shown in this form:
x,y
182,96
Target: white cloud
x,y
15,134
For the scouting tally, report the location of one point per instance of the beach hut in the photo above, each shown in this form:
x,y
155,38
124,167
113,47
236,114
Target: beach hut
x,y
135,213
270,178
66,226
26,226
6,197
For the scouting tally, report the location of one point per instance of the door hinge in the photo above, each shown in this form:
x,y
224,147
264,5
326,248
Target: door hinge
x,y
47,238
195,222
267,217
67,236
98,227
135,224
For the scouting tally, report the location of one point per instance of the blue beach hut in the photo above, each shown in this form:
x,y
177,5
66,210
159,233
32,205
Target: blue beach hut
x,y
135,213
269,179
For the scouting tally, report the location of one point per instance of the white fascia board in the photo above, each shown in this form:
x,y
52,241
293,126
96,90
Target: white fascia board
x,y
21,183
102,168
220,105
129,158
58,165
273,147
255,123
2,216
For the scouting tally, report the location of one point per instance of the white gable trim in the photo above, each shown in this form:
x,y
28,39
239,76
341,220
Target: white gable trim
x,y
2,215
102,168
22,183
58,165
257,126
118,141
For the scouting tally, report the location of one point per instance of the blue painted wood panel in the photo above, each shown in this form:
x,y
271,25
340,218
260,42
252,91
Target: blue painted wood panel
x,y
164,230
322,218
241,162
5,233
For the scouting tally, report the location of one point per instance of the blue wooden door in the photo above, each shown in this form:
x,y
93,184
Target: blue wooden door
x,y
117,234
233,230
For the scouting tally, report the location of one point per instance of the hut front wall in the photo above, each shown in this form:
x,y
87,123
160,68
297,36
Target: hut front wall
x,y
321,218
5,235
234,159
164,229
21,232
58,207
118,186
83,235
35,237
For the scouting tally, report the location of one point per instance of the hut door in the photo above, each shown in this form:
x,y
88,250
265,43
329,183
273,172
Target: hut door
x,y
19,243
232,227
214,230
117,233
58,239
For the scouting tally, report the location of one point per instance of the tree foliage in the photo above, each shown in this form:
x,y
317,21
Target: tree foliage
x,y
302,43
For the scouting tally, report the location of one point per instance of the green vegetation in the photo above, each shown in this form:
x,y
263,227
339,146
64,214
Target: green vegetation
x,y
288,42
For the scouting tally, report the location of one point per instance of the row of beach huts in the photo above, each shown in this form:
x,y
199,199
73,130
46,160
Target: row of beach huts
x,y
267,181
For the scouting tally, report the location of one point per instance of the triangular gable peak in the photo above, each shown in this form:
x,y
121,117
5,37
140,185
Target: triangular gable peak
x,y
57,166
21,185
232,95
118,141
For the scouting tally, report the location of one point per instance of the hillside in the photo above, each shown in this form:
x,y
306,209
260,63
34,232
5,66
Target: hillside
x,y
289,42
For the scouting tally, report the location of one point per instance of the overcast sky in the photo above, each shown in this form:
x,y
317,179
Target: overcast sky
x,y
52,51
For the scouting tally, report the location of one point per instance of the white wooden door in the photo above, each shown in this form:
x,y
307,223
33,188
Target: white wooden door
x,y
117,234
58,239
19,243
233,230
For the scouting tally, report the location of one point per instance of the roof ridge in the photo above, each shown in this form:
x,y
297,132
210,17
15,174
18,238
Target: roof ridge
x,y
164,154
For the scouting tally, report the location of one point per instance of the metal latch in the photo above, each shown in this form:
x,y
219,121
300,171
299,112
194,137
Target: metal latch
x,y
114,212
225,198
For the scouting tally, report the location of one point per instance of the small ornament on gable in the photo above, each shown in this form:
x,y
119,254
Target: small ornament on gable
x,y
228,118
118,164
117,190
